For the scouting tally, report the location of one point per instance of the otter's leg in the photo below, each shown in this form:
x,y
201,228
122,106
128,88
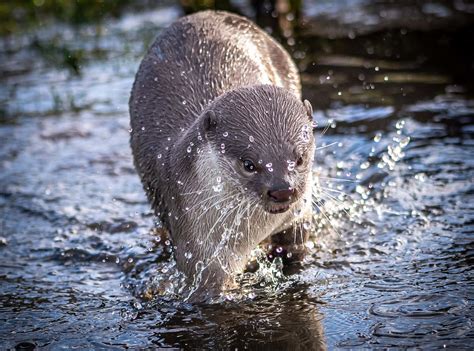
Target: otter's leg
x,y
289,244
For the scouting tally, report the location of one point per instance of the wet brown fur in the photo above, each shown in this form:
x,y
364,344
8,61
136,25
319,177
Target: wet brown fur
x,y
214,90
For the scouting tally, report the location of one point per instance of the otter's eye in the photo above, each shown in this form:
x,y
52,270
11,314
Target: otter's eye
x,y
249,166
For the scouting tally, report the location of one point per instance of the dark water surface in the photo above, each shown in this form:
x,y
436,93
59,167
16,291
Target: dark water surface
x,y
393,253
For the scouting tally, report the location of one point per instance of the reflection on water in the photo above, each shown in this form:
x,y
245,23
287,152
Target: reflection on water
x,y
83,266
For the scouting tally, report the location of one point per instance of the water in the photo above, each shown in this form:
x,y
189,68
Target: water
x,y
81,257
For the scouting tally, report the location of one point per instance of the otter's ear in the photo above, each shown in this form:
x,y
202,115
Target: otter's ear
x,y
209,121
309,109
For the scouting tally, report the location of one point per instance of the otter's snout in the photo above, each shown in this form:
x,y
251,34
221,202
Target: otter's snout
x,y
279,199
281,195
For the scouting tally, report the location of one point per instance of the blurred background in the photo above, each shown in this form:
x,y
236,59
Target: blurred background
x,y
391,84
351,37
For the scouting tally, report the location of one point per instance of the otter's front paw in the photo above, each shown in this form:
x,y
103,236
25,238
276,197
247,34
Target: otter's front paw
x,y
288,244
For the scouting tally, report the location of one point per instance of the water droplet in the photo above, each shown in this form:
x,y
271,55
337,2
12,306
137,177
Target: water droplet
x,y
291,165
400,124
251,139
217,188
225,134
188,255
365,165
421,177
378,137
306,225
404,142
188,149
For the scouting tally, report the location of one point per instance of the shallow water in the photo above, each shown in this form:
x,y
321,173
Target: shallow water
x,y
392,259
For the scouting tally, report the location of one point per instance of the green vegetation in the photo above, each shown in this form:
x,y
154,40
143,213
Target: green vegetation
x,y
19,15
191,6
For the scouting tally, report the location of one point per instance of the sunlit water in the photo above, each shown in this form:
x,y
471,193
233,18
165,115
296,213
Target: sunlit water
x,y
83,264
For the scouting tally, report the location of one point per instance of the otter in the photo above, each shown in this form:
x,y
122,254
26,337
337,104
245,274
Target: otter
x,y
223,145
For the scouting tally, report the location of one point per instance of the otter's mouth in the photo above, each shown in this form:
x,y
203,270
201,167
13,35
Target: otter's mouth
x,y
277,208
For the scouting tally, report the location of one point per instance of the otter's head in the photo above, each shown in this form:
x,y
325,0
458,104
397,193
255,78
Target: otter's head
x,y
263,136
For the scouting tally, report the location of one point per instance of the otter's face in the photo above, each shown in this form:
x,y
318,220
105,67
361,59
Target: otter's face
x,y
276,174
265,145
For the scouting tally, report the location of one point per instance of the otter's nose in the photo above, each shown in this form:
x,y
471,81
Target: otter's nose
x,y
281,195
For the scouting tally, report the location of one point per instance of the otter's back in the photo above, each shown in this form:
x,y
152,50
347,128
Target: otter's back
x,y
194,61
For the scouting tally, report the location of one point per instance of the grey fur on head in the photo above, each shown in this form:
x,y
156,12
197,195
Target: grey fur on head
x,y
222,143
